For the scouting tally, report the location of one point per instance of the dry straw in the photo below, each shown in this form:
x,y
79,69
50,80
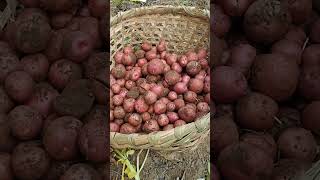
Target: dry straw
x,y
184,28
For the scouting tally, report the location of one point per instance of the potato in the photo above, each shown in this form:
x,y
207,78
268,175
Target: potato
x,y
127,128
234,7
57,6
114,127
8,62
5,48
160,107
63,72
95,62
262,140
37,65
266,21
57,169
228,84
275,75
90,25
30,161
300,10
243,161
242,57
54,47
7,141
98,8
256,111
151,126
218,56
75,100
32,33
100,92
141,106
289,48
226,133
60,20
6,104
25,122
297,35
193,68
5,166
77,46
172,77
286,169
314,34
309,117
155,67
309,84
179,122
187,113
297,143
81,171
92,141
42,98
220,25
63,131
97,114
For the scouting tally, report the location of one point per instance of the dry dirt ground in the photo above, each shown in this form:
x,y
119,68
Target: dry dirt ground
x,y
190,165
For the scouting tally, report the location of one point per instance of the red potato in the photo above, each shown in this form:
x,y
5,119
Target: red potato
x,y
207,98
142,62
150,97
297,143
129,59
203,107
309,117
129,84
190,97
63,72
269,25
151,126
145,116
19,86
297,35
7,140
187,114
160,107
262,140
226,133
314,33
235,8
202,53
30,161
180,88
171,106
81,171
53,50
121,82
133,93
117,100
98,8
179,122
171,58
243,161
111,115
60,20
150,55
163,120
25,122
290,168
116,88
300,10
141,106
222,22
118,57
242,57
179,103
119,122
36,65
289,48
119,112
77,46
161,46
146,46
172,95
155,67
128,49
176,67
5,164
277,78
173,117
157,89
172,77
140,54
114,127
196,85
256,111
6,104
127,128
193,68
8,62
42,99
183,61
135,119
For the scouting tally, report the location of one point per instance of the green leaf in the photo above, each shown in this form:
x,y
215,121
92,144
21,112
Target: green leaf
x,y
130,152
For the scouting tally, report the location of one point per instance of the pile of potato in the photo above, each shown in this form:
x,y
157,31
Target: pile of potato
x,y
53,91
265,87
153,89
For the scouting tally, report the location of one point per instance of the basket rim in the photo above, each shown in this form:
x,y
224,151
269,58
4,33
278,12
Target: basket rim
x,y
162,9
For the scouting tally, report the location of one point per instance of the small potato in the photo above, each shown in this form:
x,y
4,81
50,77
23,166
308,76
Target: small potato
x,y
310,116
95,62
179,103
155,67
36,65
203,107
190,97
289,48
127,128
8,62
172,77
146,46
98,8
150,97
163,120
179,122
128,105
5,164
160,107
222,22
171,106
30,161
141,106
297,143
187,114
114,127
140,54
290,168
119,112
180,88
151,126
129,59
300,10
196,85
135,119
60,20
81,171
19,86
53,50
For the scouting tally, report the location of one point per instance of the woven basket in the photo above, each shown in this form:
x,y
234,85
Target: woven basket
x,y
184,28
8,12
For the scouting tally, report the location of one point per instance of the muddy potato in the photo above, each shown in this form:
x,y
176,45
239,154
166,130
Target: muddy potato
x,y
310,116
289,48
81,171
309,83
300,10
37,65
63,131
228,84
275,75
256,111
30,161
243,161
57,169
262,140
9,62
286,169
95,62
226,133
266,21
297,143
235,7
97,114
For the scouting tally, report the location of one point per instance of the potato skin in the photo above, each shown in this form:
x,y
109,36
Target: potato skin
x,y
6,104
300,10
228,84
268,25
286,169
9,62
25,122
57,169
235,7
30,161
275,75
5,166
310,116
7,141
63,131
243,161
37,65
226,133
220,25
256,111
309,84
297,143
81,171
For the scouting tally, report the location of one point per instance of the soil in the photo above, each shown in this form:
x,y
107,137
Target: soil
x,y
189,165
